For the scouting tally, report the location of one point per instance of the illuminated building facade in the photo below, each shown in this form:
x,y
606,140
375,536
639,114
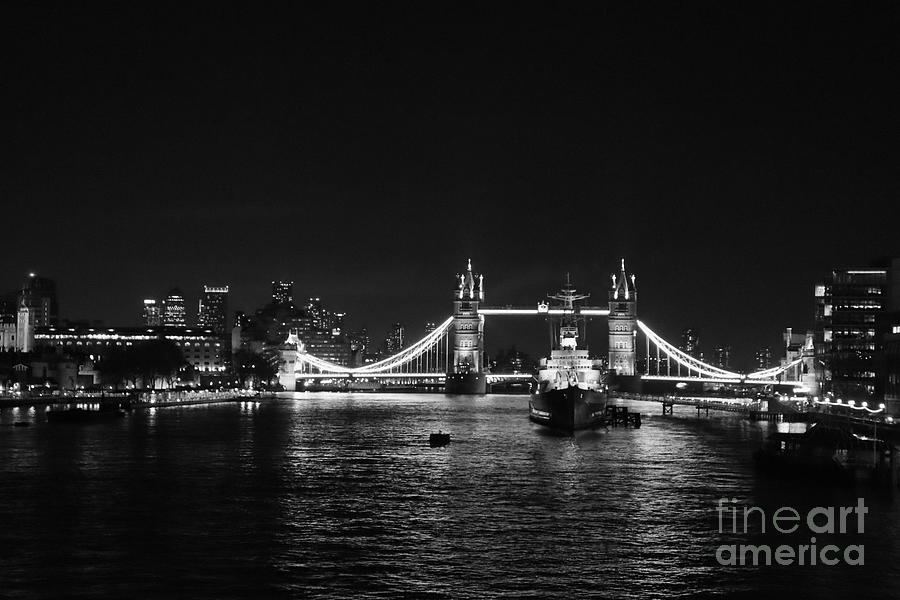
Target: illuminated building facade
x,y
152,313
325,345
690,343
466,374
800,345
891,341
847,306
174,314
7,333
622,321
396,339
722,356
212,310
763,358
202,348
25,328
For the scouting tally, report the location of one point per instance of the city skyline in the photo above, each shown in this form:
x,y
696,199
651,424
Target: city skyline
x,y
502,334
196,158
450,300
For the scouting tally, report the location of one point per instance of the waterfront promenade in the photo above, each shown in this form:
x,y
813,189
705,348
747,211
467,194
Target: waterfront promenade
x,y
134,399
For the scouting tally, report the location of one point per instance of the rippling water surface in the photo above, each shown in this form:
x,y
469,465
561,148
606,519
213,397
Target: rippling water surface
x,y
340,495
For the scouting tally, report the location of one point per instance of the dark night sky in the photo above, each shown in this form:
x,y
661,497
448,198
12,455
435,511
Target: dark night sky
x,y
733,156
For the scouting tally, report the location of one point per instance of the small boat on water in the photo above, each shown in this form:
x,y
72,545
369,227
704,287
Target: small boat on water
x,y
438,439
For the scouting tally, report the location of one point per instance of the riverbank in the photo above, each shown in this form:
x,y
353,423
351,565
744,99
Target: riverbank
x,y
135,400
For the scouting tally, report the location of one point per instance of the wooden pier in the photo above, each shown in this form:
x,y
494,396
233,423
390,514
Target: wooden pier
x,y
619,416
704,405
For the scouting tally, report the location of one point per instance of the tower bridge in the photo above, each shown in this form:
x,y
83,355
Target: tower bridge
x,y
452,355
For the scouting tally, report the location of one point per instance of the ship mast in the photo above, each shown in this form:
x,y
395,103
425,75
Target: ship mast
x,y
567,296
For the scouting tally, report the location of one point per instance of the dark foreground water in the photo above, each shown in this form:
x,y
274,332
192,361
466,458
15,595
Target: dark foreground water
x,y
340,495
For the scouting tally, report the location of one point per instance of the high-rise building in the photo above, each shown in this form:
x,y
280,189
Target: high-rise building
x,y
359,344
173,313
396,339
152,313
335,322
39,294
212,312
854,343
722,357
283,294
891,341
240,319
763,358
690,343
315,311
848,304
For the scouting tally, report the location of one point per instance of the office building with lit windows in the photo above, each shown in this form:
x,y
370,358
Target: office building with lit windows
x,y
203,349
891,365
174,314
851,308
722,356
212,310
690,343
283,294
762,359
152,312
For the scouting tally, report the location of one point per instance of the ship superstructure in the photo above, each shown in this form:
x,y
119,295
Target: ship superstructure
x,y
569,391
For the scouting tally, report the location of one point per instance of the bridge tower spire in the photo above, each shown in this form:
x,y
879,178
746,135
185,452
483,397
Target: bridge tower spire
x,y
466,372
622,323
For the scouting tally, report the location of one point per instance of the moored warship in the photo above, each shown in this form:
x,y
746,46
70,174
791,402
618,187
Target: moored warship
x,y
569,391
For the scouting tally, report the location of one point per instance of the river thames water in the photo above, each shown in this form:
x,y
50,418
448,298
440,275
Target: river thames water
x,y
339,495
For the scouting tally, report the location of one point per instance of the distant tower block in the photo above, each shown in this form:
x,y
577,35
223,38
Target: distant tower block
x,y
622,321
466,374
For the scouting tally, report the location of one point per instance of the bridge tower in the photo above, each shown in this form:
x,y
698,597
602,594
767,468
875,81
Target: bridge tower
x,y
466,373
287,370
622,324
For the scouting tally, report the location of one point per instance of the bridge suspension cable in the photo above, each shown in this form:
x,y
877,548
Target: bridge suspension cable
x,y
430,354
684,359
775,371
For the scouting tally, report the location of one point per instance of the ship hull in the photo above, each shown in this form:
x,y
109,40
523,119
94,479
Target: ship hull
x,y
465,383
568,409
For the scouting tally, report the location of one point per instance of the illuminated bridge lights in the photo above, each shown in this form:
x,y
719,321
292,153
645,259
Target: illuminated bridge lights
x,y
433,351
403,358
684,359
851,404
707,372
544,310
